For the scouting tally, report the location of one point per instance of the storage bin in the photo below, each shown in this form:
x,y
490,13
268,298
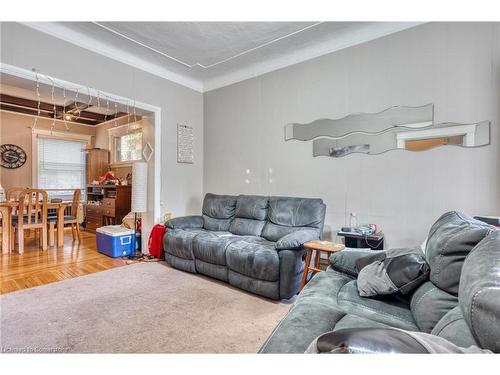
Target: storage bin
x,y
115,241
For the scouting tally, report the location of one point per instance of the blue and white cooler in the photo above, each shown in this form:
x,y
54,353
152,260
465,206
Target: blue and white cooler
x,y
115,241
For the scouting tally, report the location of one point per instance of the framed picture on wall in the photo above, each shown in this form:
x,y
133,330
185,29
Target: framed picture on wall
x,y
185,143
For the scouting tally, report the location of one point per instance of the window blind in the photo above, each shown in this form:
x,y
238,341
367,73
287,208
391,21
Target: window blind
x,y
61,166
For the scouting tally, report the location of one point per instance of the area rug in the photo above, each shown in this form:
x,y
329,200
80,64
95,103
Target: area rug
x,y
140,308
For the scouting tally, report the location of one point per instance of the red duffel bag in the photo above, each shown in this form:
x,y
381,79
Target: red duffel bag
x,y
156,241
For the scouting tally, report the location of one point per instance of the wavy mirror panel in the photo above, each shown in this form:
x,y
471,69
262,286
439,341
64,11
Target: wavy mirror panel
x,y
363,123
405,138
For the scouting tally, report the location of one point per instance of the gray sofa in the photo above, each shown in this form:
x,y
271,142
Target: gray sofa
x,y
252,242
457,308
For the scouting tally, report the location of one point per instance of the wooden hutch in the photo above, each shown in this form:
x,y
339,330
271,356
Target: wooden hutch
x,y
106,204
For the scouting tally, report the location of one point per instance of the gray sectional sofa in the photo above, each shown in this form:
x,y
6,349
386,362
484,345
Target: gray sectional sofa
x,y
457,308
252,242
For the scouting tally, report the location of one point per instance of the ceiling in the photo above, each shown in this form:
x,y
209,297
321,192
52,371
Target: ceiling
x,y
208,55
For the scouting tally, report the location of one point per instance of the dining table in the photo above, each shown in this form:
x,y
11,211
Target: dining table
x,y
6,211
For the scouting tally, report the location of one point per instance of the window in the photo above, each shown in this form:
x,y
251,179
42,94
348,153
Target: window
x,y
128,147
61,166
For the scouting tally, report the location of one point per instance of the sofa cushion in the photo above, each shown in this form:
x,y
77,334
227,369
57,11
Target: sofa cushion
x,y
218,211
454,328
300,327
252,207
323,288
288,214
250,216
179,242
315,312
254,257
392,311
397,271
450,240
479,294
211,247
354,321
216,225
246,227
429,304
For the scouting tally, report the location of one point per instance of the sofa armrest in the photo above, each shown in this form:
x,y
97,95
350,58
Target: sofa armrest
x,y
384,341
345,261
185,222
296,239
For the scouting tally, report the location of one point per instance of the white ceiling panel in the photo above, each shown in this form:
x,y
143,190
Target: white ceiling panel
x,y
208,55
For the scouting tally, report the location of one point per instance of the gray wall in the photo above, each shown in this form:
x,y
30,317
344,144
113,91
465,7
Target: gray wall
x,y
454,66
181,184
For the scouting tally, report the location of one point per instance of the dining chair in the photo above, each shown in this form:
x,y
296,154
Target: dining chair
x,y
71,219
32,214
12,194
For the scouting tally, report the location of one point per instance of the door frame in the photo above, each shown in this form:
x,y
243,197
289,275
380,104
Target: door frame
x,y
155,110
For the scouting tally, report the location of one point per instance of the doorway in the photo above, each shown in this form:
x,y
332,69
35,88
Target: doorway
x,y
107,117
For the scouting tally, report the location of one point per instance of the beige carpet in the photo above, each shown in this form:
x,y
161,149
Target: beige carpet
x,y
141,308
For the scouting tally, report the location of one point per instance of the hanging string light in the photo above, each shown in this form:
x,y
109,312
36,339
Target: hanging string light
x,y
77,108
74,112
65,115
107,109
98,99
116,114
135,113
89,102
54,109
33,127
128,118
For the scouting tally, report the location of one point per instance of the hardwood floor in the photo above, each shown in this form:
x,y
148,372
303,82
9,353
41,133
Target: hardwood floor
x,y
36,267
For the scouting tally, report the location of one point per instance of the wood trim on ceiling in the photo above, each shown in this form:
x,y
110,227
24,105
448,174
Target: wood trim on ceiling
x,y
76,109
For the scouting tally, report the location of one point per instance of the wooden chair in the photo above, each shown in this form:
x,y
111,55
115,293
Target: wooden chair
x,y
13,193
32,214
71,219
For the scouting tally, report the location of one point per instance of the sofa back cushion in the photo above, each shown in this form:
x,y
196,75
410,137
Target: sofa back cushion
x,y
479,294
250,216
455,329
429,304
218,211
450,240
287,214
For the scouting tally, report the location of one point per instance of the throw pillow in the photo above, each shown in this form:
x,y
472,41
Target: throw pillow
x,y
345,261
400,271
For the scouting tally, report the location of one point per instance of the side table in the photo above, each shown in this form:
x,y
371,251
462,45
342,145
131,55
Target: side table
x,y
317,247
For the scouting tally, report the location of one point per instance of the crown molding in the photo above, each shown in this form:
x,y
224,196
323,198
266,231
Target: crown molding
x,y
371,31
68,35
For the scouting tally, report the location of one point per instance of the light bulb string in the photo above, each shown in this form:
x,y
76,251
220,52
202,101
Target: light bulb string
x,y
77,89
77,109
37,80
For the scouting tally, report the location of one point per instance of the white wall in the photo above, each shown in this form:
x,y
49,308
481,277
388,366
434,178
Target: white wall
x,y
181,184
454,66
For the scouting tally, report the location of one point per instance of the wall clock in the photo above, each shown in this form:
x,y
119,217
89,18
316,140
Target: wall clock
x,y
12,156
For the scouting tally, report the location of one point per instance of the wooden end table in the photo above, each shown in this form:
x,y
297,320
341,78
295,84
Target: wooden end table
x,y
317,247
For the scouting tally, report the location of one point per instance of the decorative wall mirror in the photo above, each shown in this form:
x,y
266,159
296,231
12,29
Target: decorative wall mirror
x,y
403,128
